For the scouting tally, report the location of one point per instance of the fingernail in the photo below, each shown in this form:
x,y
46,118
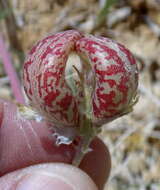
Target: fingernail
x,y
48,176
41,182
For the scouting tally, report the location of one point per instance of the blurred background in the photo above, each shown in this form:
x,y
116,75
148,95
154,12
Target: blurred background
x,y
133,140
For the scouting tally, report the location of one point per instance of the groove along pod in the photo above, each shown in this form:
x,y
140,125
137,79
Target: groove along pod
x,y
112,78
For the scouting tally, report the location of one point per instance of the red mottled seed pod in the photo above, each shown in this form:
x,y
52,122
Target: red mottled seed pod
x,y
112,77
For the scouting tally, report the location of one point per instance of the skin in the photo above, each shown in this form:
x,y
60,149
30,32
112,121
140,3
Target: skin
x,y
25,143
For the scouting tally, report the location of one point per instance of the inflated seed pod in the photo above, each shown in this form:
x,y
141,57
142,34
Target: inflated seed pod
x,y
108,72
115,73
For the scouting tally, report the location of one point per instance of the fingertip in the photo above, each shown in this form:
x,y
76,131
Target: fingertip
x,y
48,176
26,142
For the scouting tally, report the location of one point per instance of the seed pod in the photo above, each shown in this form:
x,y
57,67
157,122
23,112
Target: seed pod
x,y
108,74
116,77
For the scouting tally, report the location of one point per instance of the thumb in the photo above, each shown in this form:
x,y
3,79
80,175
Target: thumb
x,y
47,176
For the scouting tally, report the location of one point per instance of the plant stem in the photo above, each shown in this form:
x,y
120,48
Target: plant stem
x,y
87,132
11,28
10,71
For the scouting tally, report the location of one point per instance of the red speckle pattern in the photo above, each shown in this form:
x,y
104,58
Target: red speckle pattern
x,y
113,66
115,70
